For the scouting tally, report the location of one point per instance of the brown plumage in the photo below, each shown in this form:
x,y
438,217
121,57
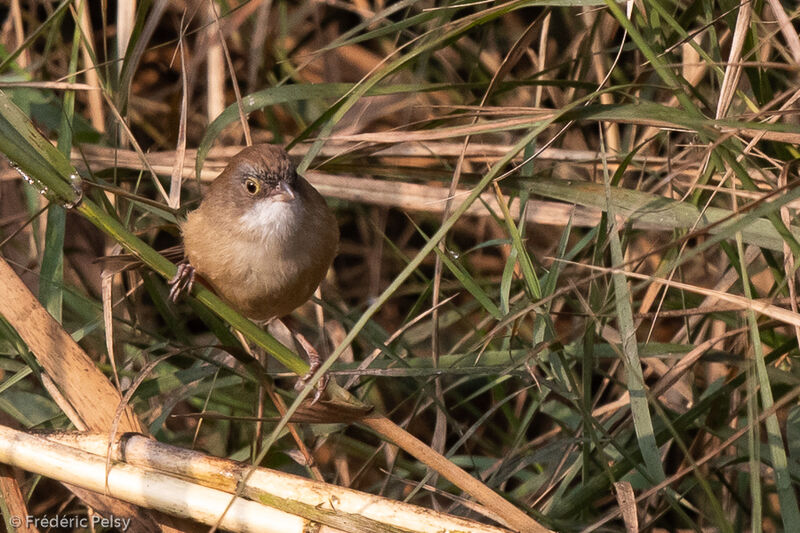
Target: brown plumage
x,y
263,237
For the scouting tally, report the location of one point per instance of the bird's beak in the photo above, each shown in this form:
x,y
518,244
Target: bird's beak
x,y
283,192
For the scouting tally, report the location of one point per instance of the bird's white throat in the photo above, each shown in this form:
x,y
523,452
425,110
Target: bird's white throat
x,y
270,220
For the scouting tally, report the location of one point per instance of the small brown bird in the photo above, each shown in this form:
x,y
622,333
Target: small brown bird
x,y
263,237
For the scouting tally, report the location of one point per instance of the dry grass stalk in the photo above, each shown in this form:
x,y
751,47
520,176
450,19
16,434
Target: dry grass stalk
x,y
159,476
79,387
83,385
13,499
144,488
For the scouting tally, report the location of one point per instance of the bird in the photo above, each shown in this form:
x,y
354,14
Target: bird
x,y
262,238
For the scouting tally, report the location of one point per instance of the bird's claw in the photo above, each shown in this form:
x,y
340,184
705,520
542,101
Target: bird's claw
x,y
314,363
182,282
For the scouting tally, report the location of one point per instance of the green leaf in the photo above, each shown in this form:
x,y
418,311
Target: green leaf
x,y
650,211
636,386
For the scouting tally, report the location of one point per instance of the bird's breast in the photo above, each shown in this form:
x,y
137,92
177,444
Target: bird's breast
x,y
266,262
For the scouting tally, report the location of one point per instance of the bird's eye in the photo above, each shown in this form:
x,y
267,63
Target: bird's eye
x,y
252,186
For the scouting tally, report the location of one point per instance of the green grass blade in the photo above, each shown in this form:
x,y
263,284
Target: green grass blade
x,y
51,274
633,366
650,211
790,514
525,263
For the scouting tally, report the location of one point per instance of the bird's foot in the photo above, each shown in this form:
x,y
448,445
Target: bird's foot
x,y
183,281
314,362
